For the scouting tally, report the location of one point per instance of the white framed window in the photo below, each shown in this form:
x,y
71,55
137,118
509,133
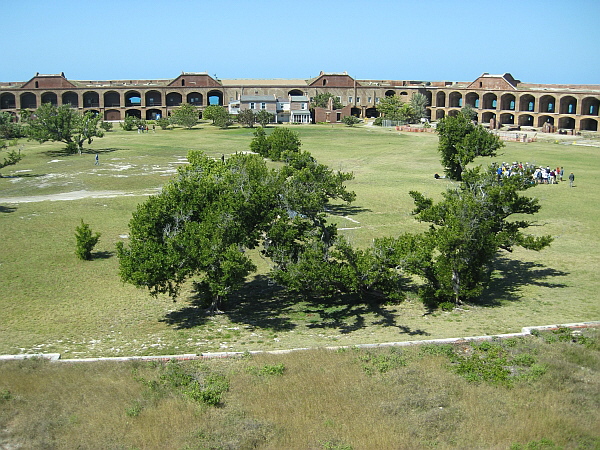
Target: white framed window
x,y
339,99
349,99
252,105
376,99
369,99
303,106
263,105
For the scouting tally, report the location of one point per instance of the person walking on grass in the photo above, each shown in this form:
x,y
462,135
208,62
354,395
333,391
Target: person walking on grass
x,y
571,179
97,160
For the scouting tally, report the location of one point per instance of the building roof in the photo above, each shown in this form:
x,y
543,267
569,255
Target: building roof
x,y
263,82
257,98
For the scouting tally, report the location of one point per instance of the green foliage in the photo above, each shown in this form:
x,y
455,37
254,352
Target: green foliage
x,y
12,157
267,370
322,101
393,108
264,117
460,142
447,306
64,124
542,444
186,115
469,112
106,126
203,221
455,255
175,378
418,103
9,127
5,395
247,117
85,241
218,114
351,120
374,362
163,123
259,143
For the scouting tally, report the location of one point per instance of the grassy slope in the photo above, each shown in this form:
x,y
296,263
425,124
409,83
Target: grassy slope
x,y
54,303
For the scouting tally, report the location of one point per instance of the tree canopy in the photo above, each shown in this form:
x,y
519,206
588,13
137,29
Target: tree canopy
x,y
185,115
468,227
461,141
247,117
204,220
321,100
63,124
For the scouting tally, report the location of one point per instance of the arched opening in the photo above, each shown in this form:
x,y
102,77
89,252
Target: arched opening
x,y
91,100
324,81
153,114
472,100
8,101
545,119
440,99
296,93
527,103
153,98
70,98
390,93
487,117
455,100
526,120
428,113
371,113
429,96
112,114
133,113
568,105
215,98
439,114
507,119
589,125
174,99
567,123
547,104
453,113
194,98
133,98
112,99
590,106
50,97
28,101
507,102
355,112
489,101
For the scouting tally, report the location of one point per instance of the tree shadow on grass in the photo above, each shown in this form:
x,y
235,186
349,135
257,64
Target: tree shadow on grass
x,y
7,209
86,151
258,304
103,255
345,210
347,314
511,275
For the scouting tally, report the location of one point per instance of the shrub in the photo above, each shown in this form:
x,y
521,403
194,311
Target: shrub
x,y
106,126
351,120
163,123
85,241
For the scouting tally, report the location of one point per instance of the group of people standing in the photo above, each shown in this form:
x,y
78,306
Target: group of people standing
x,y
539,175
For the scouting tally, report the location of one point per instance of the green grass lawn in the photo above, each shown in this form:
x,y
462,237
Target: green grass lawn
x,y
53,302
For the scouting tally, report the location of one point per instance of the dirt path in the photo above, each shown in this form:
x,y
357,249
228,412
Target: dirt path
x,y
75,195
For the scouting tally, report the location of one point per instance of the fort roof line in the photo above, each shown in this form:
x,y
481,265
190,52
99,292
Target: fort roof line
x,y
497,99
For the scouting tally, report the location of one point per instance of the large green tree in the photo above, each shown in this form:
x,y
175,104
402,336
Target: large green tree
x,y
264,117
468,227
186,115
418,103
460,142
247,117
204,220
215,113
64,124
321,100
276,145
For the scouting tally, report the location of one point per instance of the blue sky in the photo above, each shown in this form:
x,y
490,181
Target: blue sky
x,y
551,41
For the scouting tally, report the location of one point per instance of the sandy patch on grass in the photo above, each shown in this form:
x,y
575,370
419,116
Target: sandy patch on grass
x,y
75,195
